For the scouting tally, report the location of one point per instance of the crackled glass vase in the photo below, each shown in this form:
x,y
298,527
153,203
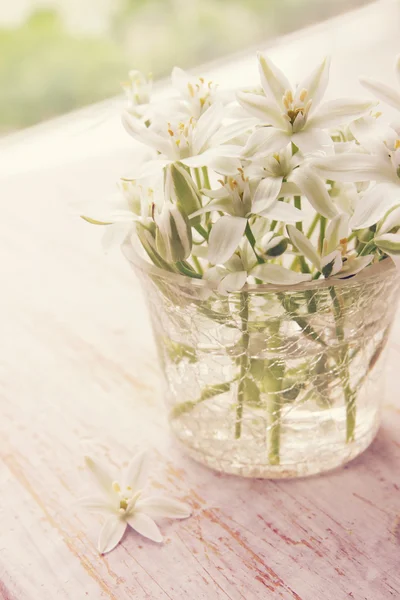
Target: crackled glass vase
x,y
272,382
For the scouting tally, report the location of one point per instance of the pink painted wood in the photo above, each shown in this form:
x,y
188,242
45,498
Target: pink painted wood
x,y
78,369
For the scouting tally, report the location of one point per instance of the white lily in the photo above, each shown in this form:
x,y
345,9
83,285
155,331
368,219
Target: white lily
x,y
293,114
195,143
125,505
381,165
382,91
240,198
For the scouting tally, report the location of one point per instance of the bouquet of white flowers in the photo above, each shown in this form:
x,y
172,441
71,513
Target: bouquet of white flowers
x,y
269,186
265,189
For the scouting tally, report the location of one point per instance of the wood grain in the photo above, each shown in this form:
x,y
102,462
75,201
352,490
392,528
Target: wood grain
x,y
78,369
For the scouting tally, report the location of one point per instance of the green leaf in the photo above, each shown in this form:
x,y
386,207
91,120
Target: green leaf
x,y
94,221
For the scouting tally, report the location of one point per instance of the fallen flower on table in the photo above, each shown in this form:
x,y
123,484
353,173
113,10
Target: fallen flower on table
x,y
125,504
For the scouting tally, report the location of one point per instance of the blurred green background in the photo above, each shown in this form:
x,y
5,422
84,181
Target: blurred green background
x,y
65,54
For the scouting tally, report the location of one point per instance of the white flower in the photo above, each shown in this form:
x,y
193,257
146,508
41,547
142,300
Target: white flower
x,y
138,91
124,504
292,114
196,93
232,276
241,198
381,165
332,262
382,91
195,143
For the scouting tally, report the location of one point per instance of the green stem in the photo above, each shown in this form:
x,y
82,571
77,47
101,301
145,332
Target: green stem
x,y
349,394
206,178
200,229
197,176
275,378
322,225
252,242
186,269
197,265
313,225
207,393
297,203
367,248
244,363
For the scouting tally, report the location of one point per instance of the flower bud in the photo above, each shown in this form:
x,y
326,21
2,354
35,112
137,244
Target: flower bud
x,y
181,190
276,246
174,235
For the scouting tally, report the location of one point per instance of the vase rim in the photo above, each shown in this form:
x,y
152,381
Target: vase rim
x,y
380,269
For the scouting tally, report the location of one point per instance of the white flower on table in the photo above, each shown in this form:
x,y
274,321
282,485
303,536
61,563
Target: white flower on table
x,y
193,142
293,114
125,504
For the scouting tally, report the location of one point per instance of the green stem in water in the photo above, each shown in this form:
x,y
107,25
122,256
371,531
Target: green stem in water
x,y
349,394
272,385
244,363
207,393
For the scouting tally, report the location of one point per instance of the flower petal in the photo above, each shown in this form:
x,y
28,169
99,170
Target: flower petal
x,y
279,275
373,206
207,125
145,526
352,167
309,140
382,91
101,474
339,112
266,193
262,108
389,243
180,79
313,187
233,282
111,534
285,212
149,169
95,504
304,246
315,83
145,135
223,204
225,165
390,220
224,238
354,265
159,507
265,140
136,472
273,81
228,132
338,229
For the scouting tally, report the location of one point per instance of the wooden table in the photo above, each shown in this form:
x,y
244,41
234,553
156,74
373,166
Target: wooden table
x,y
78,371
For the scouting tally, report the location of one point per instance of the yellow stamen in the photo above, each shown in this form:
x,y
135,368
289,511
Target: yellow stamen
x,y
303,95
116,487
397,144
191,90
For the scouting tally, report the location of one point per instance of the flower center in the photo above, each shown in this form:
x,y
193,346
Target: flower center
x,y
296,106
127,499
201,91
181,136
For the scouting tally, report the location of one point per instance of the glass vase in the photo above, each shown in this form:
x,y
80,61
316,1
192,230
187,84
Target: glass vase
x,y
272,381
